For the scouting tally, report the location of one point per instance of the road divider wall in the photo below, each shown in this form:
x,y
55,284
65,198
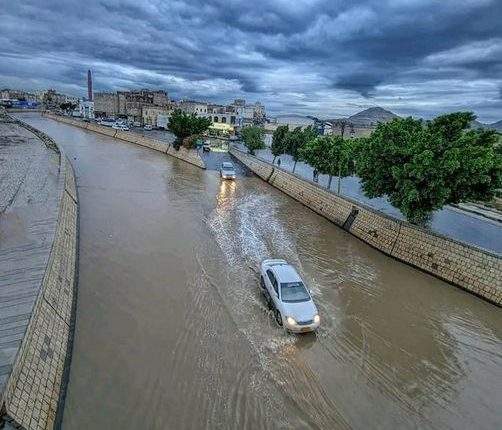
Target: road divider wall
x,y
473,269
189,156
32,396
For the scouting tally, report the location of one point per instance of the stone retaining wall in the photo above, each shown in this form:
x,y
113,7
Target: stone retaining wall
x,y
32,395
468,267
19,110
158,145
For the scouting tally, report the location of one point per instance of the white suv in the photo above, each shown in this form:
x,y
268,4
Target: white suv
x,y
227,170
287,295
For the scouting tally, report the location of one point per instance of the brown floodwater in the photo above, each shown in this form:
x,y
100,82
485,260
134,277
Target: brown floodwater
x,y
172,332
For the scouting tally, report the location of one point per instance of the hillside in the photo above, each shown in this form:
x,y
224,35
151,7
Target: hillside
x,y
372,116
496,125
369,117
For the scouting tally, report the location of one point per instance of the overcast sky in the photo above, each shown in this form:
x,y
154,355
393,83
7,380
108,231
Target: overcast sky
x,y
320,57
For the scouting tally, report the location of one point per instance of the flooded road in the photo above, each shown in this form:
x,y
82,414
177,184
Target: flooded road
x,y
172,332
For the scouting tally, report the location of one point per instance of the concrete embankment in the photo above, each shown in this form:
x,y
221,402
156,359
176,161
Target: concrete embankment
x,y
158,145
473,269
23,110
38,273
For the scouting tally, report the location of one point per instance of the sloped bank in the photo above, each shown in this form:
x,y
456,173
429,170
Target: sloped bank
x,y
470,268
32,398
158,145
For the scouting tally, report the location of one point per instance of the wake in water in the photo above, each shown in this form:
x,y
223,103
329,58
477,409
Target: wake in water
x,y
247,233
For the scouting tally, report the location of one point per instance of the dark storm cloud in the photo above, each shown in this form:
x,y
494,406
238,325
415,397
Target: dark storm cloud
x,y
312,56
361,82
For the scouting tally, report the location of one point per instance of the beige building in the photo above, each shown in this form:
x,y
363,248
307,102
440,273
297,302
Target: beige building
x,y
105,104
130,103
160,98
150,113
247,114
19,95
190,106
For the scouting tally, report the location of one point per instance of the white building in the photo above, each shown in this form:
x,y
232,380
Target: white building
x,y
86,110
163,121
327,129
294,121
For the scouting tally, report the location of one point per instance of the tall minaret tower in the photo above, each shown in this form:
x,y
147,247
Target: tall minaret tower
x,y
89,85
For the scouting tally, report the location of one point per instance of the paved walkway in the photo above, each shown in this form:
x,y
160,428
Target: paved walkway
x,y
29,205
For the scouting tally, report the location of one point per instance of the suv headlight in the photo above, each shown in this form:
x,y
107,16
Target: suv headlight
x,y
291,321
317,319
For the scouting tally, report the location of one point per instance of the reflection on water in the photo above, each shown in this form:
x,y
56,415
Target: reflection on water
x,y
172,330
227,192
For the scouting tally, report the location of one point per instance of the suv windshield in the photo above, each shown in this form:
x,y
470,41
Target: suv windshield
x,y
294,292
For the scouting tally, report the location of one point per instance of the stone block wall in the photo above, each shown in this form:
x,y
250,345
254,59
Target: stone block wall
x,y
189,156
377,229
125,135
107,131
261,168
91,127
318,199
155,144
468,267
186,155
31,397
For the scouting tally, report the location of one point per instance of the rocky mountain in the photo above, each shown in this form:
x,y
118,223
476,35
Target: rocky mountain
x,y
370,117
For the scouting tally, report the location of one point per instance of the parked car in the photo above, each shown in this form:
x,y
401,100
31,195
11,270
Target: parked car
x,y
136,124
107,122
227,170
148,127
122,127
206,146
287,295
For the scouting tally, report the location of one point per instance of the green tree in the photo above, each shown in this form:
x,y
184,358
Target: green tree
x,y
67,106
330,155
295,140
422,168
183,126
252,138
278,141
